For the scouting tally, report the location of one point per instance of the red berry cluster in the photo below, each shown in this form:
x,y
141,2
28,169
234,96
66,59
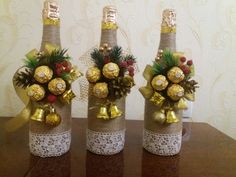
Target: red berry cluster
x,y
185,67
63,67
128,65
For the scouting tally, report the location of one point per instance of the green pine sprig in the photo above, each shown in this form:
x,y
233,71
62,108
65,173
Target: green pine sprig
x,y
169,59
31,62
115,54
97,57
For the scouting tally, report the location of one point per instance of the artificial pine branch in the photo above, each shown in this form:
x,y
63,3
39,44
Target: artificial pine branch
x,y
31,63
97,58
169,59
115,54
157,68
24,78
129,57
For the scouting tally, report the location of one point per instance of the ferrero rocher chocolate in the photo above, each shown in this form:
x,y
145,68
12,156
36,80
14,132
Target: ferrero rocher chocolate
x,y
43,74
36,92
100,90
175,92
175,75
159,82
57,86
93,74
111,70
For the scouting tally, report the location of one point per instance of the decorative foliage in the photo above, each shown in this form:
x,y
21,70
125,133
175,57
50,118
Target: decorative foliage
x,y
46,77
169,84
111,78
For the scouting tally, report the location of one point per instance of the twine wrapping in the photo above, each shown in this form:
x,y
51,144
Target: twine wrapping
x,y
99,125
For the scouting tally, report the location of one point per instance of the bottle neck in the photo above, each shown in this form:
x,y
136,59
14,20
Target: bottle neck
x,y
109,34
51,35
168,41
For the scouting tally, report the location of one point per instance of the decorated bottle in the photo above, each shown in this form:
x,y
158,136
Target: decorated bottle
x,y
110,81
168,87
46,82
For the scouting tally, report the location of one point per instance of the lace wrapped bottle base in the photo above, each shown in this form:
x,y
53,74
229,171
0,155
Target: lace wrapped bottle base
x,y
49,145
162,144
105,143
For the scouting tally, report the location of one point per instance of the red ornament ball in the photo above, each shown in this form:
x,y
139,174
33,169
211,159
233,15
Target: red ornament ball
x,y
123,64
130,62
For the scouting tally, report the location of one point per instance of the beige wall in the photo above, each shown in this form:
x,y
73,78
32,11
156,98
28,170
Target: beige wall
x,y
206,32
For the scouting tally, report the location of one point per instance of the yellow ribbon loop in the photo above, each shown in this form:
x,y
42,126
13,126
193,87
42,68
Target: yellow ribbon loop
x,y
148,73
32,54
147,92
74,74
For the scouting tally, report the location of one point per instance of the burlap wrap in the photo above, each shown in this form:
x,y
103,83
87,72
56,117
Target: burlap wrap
x,y
167,41
51,34
100,125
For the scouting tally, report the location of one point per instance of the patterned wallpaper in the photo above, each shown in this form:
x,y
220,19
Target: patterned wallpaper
x,y
206,32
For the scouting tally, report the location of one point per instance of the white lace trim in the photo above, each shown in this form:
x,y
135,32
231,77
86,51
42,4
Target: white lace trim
x,y
162,144
105,143
49,145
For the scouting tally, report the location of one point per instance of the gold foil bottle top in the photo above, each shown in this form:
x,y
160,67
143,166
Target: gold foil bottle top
x,y
109,17
51,15
168,21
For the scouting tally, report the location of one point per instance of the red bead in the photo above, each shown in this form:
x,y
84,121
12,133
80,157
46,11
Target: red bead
x,y
123,64
51,98
130,62
189,62
107,60
183,59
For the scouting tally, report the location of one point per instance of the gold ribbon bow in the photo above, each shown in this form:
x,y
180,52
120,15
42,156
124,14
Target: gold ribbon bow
x,y
23,117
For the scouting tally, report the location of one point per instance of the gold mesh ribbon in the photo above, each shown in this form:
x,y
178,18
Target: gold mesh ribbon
x,y
109,26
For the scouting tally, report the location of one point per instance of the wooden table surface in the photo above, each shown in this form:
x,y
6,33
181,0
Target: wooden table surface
x,y
206,152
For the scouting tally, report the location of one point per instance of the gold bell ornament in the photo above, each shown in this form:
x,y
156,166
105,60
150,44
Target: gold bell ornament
x,y
102,114
171,117
53,119
114,111
38,115
159,116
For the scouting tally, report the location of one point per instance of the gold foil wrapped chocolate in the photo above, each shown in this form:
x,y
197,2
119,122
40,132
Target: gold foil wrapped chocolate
x,y
159,116
109,14
57,86
168,21
93,74
111,70
51,15
43,74
175,75
159,82
100,90
36,92
175,92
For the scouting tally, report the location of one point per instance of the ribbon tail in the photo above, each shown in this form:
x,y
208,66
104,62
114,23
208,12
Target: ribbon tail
x,y
21,119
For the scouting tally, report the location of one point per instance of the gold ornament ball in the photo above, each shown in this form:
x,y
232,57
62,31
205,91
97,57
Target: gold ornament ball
x,y
43,74
100,90
159,82
175,92
36,92
159,116
110,70
53,119
57,86
93,74
175,75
